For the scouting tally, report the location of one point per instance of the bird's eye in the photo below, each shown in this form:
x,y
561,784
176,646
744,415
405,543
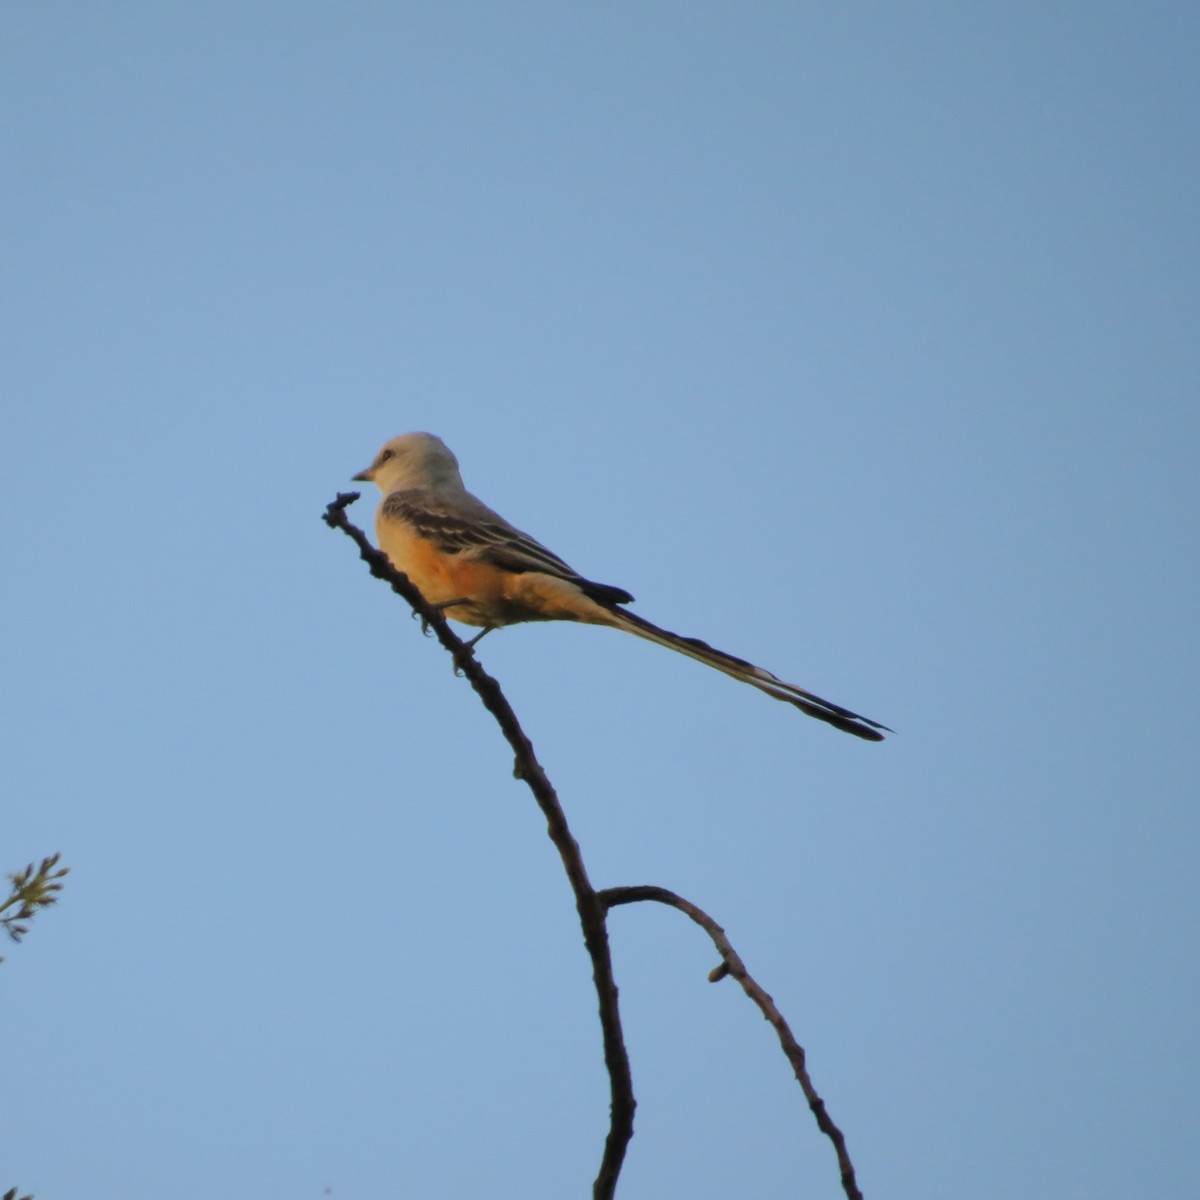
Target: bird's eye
x,y
384,455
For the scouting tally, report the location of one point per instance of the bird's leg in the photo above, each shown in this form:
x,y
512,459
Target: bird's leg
x,y
485,629
441,607
467,650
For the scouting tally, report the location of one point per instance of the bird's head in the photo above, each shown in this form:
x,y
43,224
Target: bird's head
x,y
413,460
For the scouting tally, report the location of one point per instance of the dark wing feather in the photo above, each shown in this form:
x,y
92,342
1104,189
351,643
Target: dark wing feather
x,y
489,538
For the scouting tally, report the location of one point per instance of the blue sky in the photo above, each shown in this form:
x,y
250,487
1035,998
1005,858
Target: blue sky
x,y
859,340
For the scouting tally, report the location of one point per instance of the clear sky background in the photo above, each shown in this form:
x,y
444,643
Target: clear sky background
x,y
858,339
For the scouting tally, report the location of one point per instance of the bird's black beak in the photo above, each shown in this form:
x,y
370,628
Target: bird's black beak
x,y
363,476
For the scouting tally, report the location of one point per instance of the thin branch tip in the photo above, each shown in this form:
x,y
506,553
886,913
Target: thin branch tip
x,y
335,510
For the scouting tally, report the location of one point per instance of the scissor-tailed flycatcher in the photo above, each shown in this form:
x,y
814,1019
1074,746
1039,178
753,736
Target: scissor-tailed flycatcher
x,y
470,562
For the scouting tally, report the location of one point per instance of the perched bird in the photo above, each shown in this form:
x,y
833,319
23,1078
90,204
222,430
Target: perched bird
x,y
470,562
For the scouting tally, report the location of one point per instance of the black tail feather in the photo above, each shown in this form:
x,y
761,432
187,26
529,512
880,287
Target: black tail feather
x,y
814,706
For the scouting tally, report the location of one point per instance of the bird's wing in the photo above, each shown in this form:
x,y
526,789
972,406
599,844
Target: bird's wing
x,y
464,525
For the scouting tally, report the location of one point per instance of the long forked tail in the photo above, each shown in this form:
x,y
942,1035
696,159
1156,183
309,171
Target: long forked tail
x,y
806,702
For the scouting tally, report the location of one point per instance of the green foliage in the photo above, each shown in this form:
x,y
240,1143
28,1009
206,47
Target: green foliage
x,y
31,889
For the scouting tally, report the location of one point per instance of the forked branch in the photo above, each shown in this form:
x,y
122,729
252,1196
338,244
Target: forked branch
x,y
591,905
731,964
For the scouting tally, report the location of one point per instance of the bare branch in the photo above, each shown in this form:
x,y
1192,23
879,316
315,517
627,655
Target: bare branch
x,y
526,767
731,964
591,905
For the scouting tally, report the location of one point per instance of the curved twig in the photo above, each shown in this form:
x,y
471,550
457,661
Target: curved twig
x,y
591,911
731,964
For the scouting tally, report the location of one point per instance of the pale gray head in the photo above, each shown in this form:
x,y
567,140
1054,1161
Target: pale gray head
x,y
413,460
